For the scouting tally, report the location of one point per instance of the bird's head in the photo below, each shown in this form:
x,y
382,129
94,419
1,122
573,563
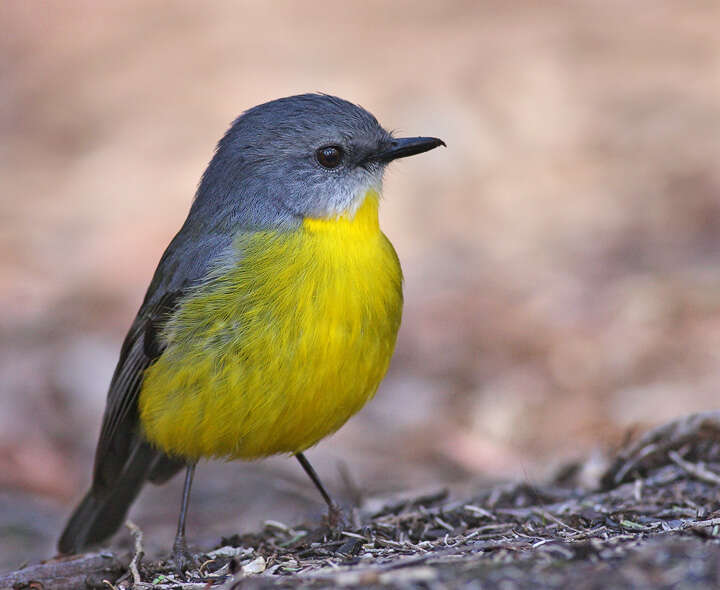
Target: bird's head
x,y
306,156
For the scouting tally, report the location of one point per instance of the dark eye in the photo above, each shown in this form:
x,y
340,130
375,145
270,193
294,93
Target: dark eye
x,y
329,156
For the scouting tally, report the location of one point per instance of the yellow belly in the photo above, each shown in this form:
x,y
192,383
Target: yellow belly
x,y
276,352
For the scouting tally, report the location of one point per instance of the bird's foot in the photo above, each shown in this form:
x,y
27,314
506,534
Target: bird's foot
x,y
336,520
181,558
653,447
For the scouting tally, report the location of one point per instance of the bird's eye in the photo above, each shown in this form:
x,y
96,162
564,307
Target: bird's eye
x,y
329,156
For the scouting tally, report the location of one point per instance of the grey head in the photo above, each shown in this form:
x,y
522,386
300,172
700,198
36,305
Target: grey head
x,y
311,155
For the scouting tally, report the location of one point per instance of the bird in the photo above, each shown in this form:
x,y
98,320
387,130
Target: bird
x,y
272,315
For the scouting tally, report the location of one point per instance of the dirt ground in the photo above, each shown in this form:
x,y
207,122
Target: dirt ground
x,y
562,283
653,521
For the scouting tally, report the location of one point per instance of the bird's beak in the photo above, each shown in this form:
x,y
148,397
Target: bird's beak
x,y
408,146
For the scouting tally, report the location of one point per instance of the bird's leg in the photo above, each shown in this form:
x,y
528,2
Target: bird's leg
x,y
181,556
334,512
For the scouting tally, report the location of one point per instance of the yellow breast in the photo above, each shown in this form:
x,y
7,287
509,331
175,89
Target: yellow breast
x,y
277,351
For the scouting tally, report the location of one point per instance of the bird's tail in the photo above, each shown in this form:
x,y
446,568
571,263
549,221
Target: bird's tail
x,y
103,509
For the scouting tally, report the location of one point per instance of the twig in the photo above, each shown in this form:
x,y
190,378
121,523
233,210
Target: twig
x,y
696,469
700,426
700,523
68,573
137,558
555,519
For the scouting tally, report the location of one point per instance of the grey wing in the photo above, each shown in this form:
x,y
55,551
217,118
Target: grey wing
x,y
183,264
119,433
124,460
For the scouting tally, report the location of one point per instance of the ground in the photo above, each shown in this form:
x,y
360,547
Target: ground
x,y
561,256
653,521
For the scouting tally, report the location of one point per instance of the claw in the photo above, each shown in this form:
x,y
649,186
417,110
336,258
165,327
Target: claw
x,y
182,559
336,519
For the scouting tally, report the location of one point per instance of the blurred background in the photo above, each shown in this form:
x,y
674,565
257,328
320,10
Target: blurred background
x,y
561,256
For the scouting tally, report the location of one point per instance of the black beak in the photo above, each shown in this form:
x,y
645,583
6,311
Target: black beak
x,y
408,146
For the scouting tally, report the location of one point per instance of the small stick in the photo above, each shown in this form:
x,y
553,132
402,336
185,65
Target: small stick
x,y
139,553
554,519
696,469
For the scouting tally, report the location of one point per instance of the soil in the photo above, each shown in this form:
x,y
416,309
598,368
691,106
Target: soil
x,y
654,525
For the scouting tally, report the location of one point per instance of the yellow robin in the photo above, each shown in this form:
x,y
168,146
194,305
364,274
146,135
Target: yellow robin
x,y
272,315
